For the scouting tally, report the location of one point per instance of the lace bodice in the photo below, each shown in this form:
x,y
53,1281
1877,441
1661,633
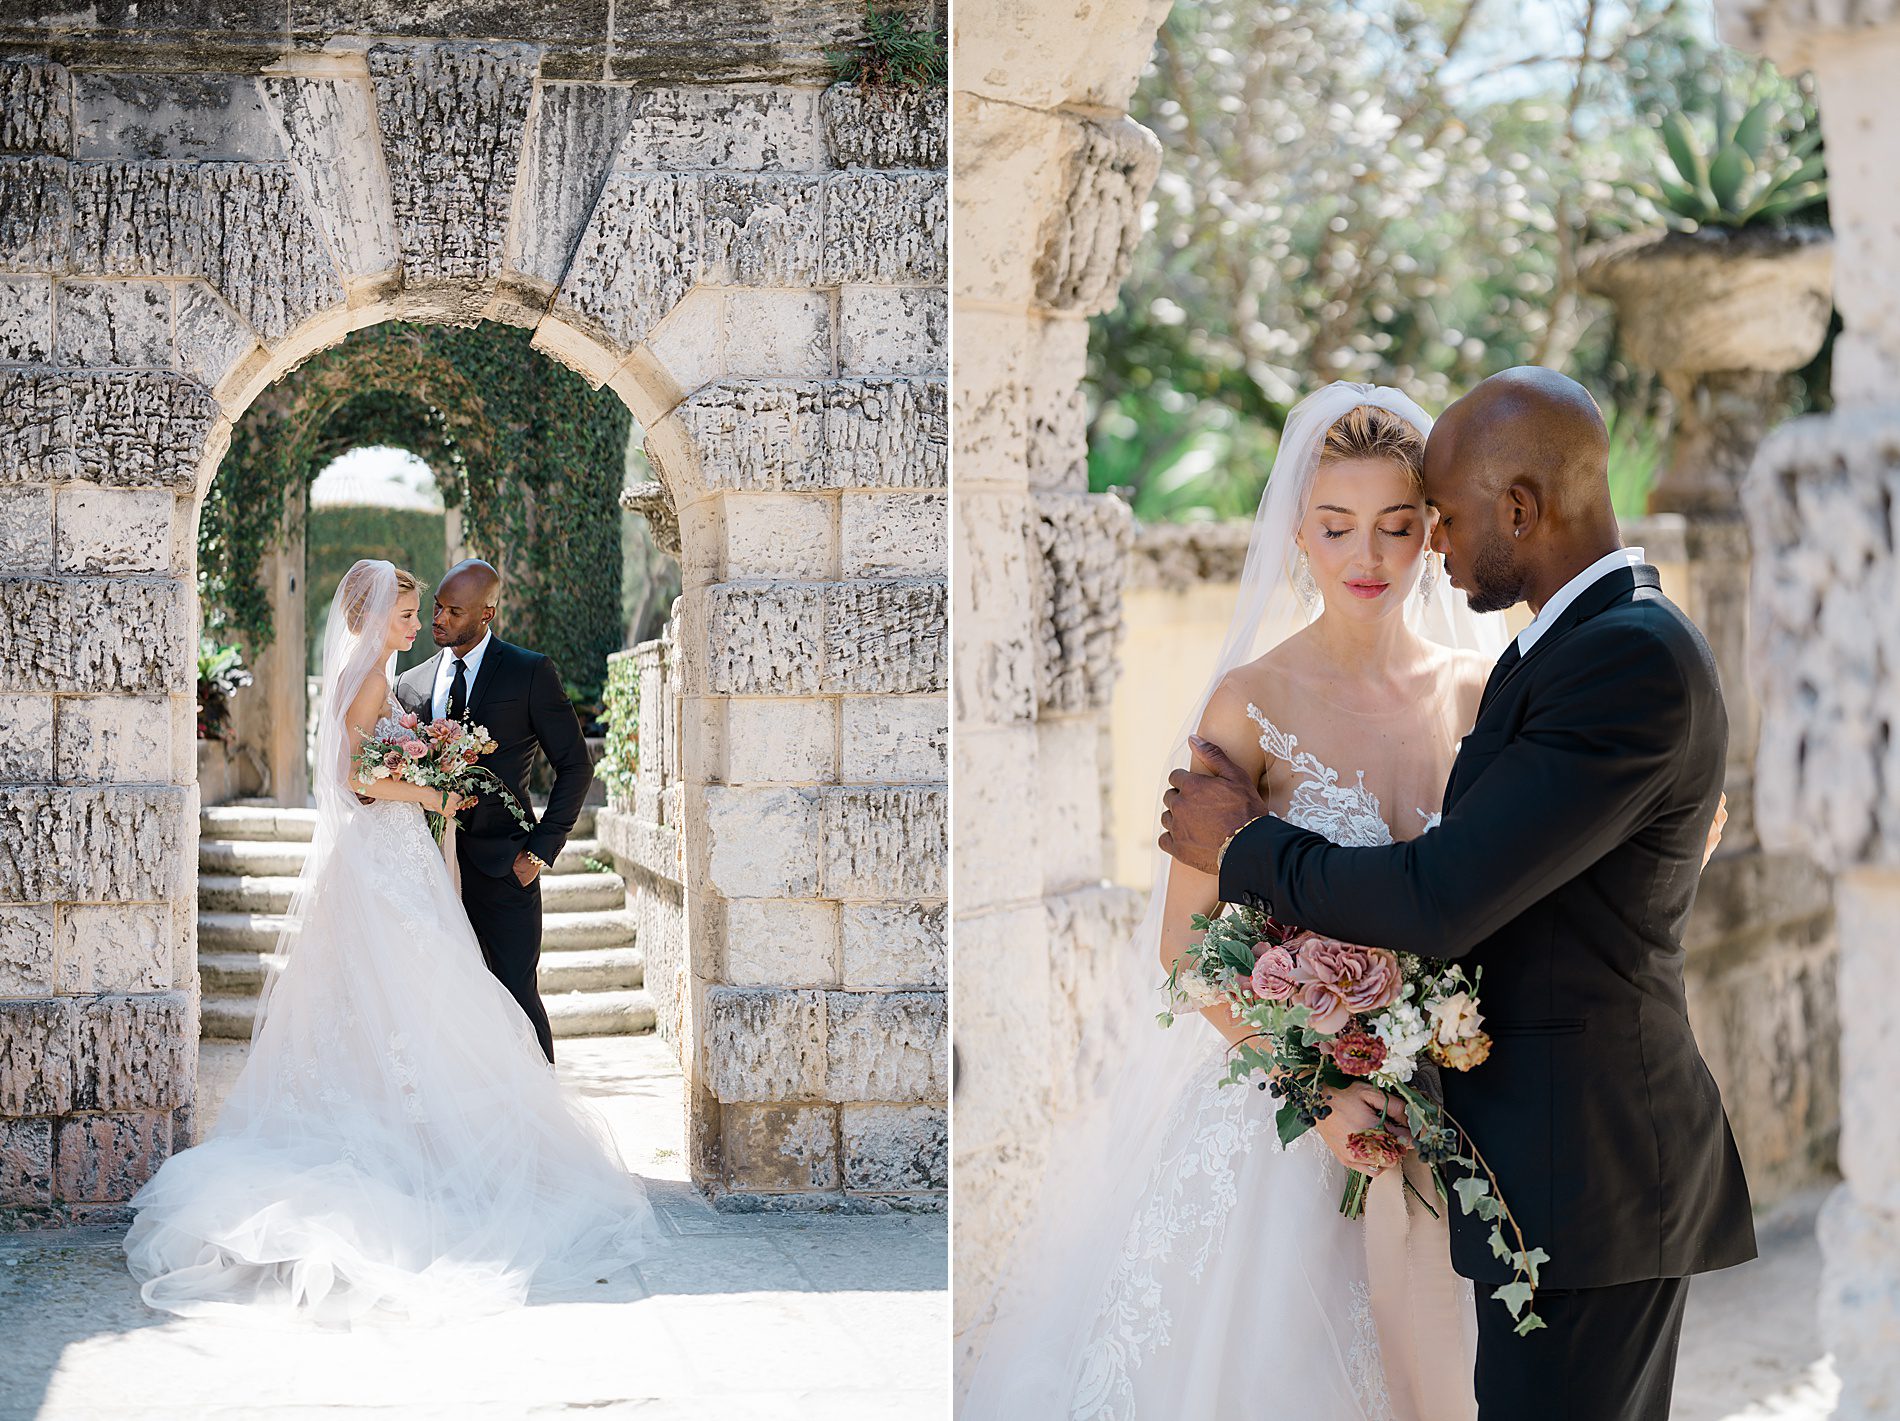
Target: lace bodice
x,y
1349,815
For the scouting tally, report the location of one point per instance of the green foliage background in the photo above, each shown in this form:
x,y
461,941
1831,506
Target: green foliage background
x,y
1394,192
334,538
532,456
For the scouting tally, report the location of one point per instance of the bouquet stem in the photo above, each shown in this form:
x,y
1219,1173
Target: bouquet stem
x,y
1352,1202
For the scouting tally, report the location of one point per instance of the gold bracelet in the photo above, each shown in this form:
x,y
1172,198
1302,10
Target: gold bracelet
x,y
1220,859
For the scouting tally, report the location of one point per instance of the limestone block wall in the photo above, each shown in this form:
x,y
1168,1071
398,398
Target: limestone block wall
x,y
1050,177
682,211
1820,501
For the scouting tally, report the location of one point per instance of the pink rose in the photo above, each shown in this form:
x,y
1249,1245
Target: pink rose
x,y
393,759
1273,975
1329,1013
415,749
1362,978
440,724
1373,980
409,720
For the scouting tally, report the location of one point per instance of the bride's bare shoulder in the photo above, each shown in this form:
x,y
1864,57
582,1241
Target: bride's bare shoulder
x,y
1265,687
370,700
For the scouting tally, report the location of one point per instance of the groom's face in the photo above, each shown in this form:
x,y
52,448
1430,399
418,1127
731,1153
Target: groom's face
x,y
1472,534
459,621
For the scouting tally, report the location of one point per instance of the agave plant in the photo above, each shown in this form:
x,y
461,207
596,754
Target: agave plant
x,y
1753,172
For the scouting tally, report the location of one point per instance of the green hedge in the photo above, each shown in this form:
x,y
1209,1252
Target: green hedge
x,y
334,538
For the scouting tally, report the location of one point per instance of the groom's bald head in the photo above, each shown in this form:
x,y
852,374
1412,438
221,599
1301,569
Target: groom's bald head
x,y
1519,471
465,601
1531,426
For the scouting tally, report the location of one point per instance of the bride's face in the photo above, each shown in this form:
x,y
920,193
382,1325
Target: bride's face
x,y
404,622
1365,534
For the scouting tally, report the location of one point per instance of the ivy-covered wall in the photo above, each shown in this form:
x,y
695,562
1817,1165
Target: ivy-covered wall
x,y
533,457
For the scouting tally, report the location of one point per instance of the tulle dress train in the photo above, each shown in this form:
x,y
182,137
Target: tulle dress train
x,y
396,1145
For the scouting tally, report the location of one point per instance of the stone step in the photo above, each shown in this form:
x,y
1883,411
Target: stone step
x,y
264,858
257,822
595,969
560,893
228,1017
272,821
560,932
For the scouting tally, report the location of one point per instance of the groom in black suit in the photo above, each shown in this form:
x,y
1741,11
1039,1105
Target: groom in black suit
x,y
516,694
1566,865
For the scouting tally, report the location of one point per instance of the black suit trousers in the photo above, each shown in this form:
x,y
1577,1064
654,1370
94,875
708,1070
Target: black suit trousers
x,y
507,922
1604,1354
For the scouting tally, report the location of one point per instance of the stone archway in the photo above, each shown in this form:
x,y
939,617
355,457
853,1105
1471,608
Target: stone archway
x,y
752,262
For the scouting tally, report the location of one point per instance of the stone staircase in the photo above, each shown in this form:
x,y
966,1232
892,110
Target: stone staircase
x,y
592,972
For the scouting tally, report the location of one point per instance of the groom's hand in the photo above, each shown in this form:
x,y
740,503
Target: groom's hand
x,y
1204,808
526,869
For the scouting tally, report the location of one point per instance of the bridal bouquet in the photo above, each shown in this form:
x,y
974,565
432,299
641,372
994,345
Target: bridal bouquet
x,y
439,754
1326,1013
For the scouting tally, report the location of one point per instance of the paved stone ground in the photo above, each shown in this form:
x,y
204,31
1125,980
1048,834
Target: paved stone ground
x,y
748,1318
1751,1349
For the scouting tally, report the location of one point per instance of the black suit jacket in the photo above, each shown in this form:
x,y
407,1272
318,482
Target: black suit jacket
x,y
1565,867
518,697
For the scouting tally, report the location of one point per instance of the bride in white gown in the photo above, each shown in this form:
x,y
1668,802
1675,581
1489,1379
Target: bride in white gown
x,y
1180,1262
396,1144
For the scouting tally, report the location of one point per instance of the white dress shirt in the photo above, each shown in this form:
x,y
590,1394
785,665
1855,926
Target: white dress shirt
x,y
445,676
1572,590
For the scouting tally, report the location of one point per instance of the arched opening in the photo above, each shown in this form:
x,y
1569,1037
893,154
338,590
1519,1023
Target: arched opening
x,y
421,445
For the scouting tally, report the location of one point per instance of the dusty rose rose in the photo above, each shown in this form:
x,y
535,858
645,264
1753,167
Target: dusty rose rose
x,y
1273,975
1461,1055
440,724
1456,1018
1373,979
415,749
408,720
1375,1147
1329,1013
393,759
1357,1052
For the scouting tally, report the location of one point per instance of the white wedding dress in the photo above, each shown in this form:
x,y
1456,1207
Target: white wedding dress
x,y
1238,1283
396,1144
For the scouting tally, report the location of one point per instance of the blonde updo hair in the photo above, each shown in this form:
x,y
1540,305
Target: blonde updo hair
x,y
360,581
1373,432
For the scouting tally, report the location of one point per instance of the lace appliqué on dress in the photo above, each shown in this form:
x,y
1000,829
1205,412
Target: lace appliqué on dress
x,y
1191,1192
1184,1209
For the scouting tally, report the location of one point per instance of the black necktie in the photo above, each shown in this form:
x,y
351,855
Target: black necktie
x,y
1505,662
458,691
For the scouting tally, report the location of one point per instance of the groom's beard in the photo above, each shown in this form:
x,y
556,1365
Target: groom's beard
x,y
1496,580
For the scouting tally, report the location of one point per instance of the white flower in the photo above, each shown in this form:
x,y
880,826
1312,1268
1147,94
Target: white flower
x,y
1455,1018
381,772
1405,1031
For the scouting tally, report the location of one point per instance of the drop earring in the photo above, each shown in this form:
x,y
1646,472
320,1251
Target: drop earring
x,y
1428,580
1304,587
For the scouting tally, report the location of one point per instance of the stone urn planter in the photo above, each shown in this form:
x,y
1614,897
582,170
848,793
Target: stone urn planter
x,y
1723,317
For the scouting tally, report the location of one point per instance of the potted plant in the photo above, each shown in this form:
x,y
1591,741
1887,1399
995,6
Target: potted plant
x,y
1735,293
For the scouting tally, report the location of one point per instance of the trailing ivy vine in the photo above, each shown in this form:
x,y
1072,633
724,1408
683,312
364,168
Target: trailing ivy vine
x,y
532,456
619,761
